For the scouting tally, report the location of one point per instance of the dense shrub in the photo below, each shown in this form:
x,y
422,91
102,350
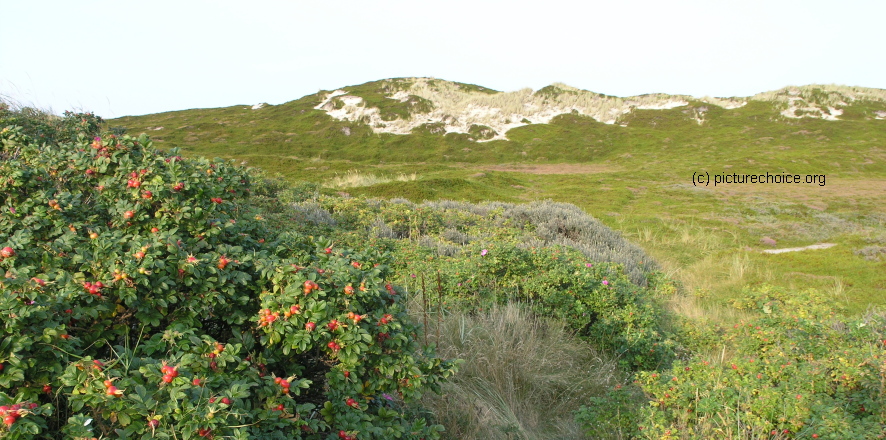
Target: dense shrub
x,y
48,128
567,225
596,300
144,298
537,224
796,371
478,255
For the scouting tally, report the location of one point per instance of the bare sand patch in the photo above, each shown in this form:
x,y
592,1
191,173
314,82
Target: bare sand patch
x,y
797,249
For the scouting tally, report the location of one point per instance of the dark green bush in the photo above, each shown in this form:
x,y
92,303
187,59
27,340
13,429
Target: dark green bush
x,y
144,297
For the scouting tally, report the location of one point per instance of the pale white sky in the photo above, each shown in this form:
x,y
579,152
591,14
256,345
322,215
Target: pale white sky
x,y
123,57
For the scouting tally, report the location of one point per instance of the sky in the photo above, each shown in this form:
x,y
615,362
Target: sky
x,y
124,57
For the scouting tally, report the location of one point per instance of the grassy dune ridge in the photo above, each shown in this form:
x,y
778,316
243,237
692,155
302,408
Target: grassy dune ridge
x,y
634,175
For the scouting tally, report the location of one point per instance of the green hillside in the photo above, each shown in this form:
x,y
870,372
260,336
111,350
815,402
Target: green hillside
x,y
634,174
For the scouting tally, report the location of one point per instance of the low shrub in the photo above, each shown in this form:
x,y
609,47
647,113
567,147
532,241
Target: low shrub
x,y
796,371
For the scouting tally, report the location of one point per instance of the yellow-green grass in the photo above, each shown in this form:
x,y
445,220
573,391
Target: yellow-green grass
x,y
354,178
712,242
637,179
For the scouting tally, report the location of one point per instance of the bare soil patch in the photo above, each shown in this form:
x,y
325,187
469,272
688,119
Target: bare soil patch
x,y
811,194
553,168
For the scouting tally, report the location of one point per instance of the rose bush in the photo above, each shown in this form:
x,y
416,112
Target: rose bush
x,y
798,370
143,297
500,259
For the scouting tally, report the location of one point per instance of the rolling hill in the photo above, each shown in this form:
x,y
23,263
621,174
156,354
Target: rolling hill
x,y
628,161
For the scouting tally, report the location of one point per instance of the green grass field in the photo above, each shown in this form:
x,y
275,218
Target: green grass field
x,y
635,176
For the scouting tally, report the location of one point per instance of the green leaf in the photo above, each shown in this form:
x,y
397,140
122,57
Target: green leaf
x,y
124,419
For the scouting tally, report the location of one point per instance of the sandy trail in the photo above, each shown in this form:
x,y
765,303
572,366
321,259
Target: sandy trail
x,y
797,249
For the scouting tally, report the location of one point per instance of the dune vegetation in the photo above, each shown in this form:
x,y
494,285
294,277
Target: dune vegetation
x,y
560,275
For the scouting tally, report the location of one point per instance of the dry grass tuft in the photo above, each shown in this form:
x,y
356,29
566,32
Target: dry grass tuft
x,y
354,178
522,377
